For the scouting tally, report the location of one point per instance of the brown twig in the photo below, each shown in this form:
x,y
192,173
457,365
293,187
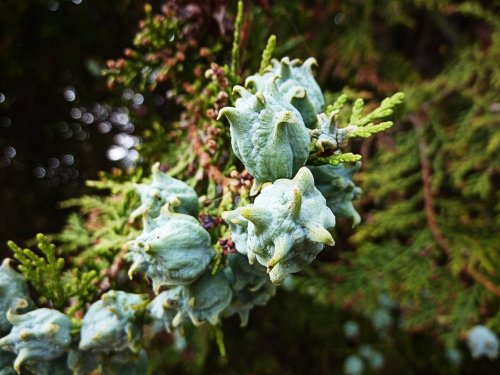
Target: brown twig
x,y
481,279
204,159
111,273
426,171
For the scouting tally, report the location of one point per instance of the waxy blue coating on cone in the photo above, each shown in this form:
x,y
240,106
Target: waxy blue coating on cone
x,y
250,284
12,289
164,189
482,342
201,302
336,185
297,83
267,134
39,335
289,224
173,249
112,323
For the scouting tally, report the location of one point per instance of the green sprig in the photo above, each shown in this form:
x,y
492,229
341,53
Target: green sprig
x,y
267,54
46,273
363,126
235,52
336,159
338,104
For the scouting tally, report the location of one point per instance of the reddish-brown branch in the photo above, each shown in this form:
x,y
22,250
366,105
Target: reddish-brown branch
x,y
111,273
481,279
205,160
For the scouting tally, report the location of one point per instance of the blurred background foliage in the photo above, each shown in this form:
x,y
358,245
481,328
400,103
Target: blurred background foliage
x,y
420,270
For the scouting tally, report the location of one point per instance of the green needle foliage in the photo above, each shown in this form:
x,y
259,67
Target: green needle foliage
x,y
96,236
46,273
364,125
235,52
267,54
337,159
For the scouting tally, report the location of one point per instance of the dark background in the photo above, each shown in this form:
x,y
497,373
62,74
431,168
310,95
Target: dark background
x,y
47,48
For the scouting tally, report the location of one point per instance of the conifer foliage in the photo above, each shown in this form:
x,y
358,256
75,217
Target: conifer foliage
x,y
254,174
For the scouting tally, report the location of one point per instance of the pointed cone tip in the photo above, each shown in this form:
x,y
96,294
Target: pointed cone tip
x,y
246,212
256,187
241,91
285,60
309,63
22,356
356,218
272,84
229,112
250,81
7,262
321,235
281,248
287,117
132,270
304,179
155,169
296,202
299,92
260,97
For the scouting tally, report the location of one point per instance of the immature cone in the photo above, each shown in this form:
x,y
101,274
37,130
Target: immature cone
x,y
113,323
336,185
13,288
250,284
163,310
482,342
297,84
203,301
173,249
164,189
326,134
39,335
267,134
289,224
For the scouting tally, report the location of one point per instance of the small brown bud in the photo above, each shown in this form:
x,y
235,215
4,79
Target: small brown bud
x,y
204,52
129,52
180,56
